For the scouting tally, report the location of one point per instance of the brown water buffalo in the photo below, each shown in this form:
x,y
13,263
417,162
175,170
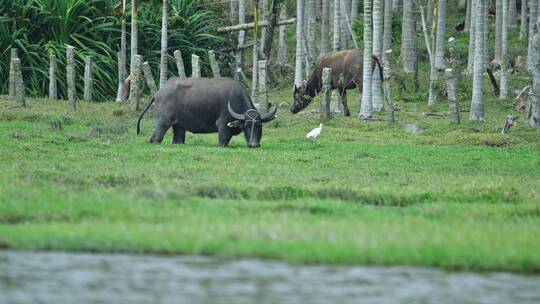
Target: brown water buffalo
x,y
346,74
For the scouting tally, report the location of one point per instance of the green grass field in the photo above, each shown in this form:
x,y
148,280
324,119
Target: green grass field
x,y
457,197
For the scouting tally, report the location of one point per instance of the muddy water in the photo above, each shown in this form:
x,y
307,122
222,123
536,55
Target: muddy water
x,y
34,277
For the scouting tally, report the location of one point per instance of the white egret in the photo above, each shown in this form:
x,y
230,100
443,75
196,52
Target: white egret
x,y
315,132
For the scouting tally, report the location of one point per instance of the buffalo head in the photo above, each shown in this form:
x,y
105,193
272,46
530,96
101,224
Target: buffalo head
x,y
251,122
301,98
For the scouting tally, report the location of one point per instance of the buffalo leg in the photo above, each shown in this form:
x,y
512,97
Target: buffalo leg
x,y
224,136
161,129
343,95
179,134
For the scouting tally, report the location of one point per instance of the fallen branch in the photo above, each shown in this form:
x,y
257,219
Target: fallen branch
x,y
435,114
245,26
239,47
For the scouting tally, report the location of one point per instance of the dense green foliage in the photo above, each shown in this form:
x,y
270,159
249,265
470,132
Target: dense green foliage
x,y
458,196
40,27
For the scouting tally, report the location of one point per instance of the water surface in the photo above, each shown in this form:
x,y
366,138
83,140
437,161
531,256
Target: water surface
x,y
52,277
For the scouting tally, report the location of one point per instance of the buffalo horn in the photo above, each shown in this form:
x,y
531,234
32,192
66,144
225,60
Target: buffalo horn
x,y
234,114
269,116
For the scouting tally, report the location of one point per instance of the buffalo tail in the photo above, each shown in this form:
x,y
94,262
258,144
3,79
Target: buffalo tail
x,y
140,118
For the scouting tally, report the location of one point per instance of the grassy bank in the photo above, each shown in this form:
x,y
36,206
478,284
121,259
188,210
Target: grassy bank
x,y
457,196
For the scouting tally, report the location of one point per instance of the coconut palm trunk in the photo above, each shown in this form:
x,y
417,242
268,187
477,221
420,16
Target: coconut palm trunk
x,y
377,51
477,103
163,61
498,29
325,26
312,28
298,71
134,37
408,41
512,13
354,12
122,73
336,45
441,31
430,15
345,17
282,50
241,36
486,33
535,109
532,21
523,25
365,105
504,49
387,32
472,32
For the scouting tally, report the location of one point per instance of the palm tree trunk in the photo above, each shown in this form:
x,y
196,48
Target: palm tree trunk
x,y
312,27
122,73
298,71
270,29
486,34
408,41
523,25
163,61
365,105
441,31
336,46
477,104
377,51
498,30
134,39
504,48
241,35
512,14
532,21
397,5
472,32
430,15
345,16
282,51
354,12
535,111
387,32
325,26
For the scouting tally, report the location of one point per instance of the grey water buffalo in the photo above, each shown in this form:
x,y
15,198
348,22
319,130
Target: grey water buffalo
x,y
347,68
204,105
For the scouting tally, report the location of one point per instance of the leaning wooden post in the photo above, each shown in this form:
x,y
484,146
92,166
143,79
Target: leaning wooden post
x,y
326,95
262,103
12,76
70,69
195,68
214,64
88,78
19,84
452,94
134,96
53,91
387,79
147,72
180,64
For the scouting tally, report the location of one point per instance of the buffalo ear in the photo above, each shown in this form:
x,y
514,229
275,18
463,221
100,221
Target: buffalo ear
x,y
235,124
295,89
